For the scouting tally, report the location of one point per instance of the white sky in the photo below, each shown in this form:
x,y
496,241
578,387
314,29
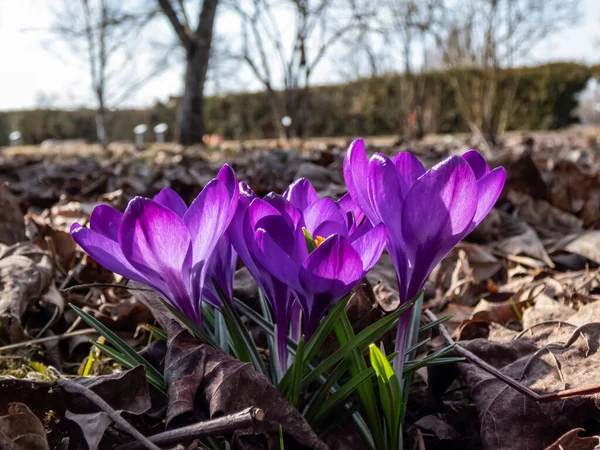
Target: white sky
x,y
33,72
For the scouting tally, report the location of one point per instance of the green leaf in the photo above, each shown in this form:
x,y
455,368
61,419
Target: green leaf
x,y
274,364
266,326
341,418
157,333
427,360
118,343
359,342
125,361
325,328
310,242
296,371
435,323
316,341
389,392
281,446
320,395
343,393
413,336
241,341
356,366
192,327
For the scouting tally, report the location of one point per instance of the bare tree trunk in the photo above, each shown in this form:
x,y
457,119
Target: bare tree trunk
x,y
191,109
276,112
197,45
190,116
101,127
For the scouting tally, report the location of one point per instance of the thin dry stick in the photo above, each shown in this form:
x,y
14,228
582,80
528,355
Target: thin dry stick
x,y
540,398
47,339
72,386
102,285
225,424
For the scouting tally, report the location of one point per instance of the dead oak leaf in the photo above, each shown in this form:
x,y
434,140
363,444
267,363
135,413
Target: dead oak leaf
x,y
20,429
547,358
571,441
196,372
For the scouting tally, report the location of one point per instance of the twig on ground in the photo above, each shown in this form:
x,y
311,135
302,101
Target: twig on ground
x,y
225,424
102,285
47,339
73,387
526,391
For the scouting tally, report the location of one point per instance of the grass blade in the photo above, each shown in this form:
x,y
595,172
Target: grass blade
x,y
359,342
117,342
157,333
202,335
158,383
296,372
243,345
357,367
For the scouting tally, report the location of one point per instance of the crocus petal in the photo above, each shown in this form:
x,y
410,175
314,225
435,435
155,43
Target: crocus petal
x,y
387,190
235,232
370,246
301,194
227,176
437,210
106,220
489,189
354,214
285,207
105,252
276,260
333,269
206,219
156,242
221,268
324,218
409,167
356,170
171,199
477,162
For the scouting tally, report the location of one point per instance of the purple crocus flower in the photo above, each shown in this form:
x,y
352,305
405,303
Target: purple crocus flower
x,y
221,269
161,242
426,212
280,296
274,227
302,194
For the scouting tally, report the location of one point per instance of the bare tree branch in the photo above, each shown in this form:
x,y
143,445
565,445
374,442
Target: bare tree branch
x,y
178,27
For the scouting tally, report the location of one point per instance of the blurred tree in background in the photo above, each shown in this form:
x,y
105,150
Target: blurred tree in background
x,y
196,42
106,36
485,37
545,98
412,67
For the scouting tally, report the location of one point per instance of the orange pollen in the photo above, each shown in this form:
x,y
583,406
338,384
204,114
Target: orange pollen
x,y
319,240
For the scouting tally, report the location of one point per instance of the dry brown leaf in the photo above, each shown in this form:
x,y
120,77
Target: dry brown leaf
x,y
547,220
12,224
526,242
198,372
546,309
571,441
25,274
547,358
20,429
586,244
483,263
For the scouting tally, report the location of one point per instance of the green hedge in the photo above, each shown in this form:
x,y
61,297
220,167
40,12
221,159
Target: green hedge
x,y
545,99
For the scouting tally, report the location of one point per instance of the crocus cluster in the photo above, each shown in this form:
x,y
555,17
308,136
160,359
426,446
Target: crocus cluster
x,y
164,244
426,213
270,235
306,253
